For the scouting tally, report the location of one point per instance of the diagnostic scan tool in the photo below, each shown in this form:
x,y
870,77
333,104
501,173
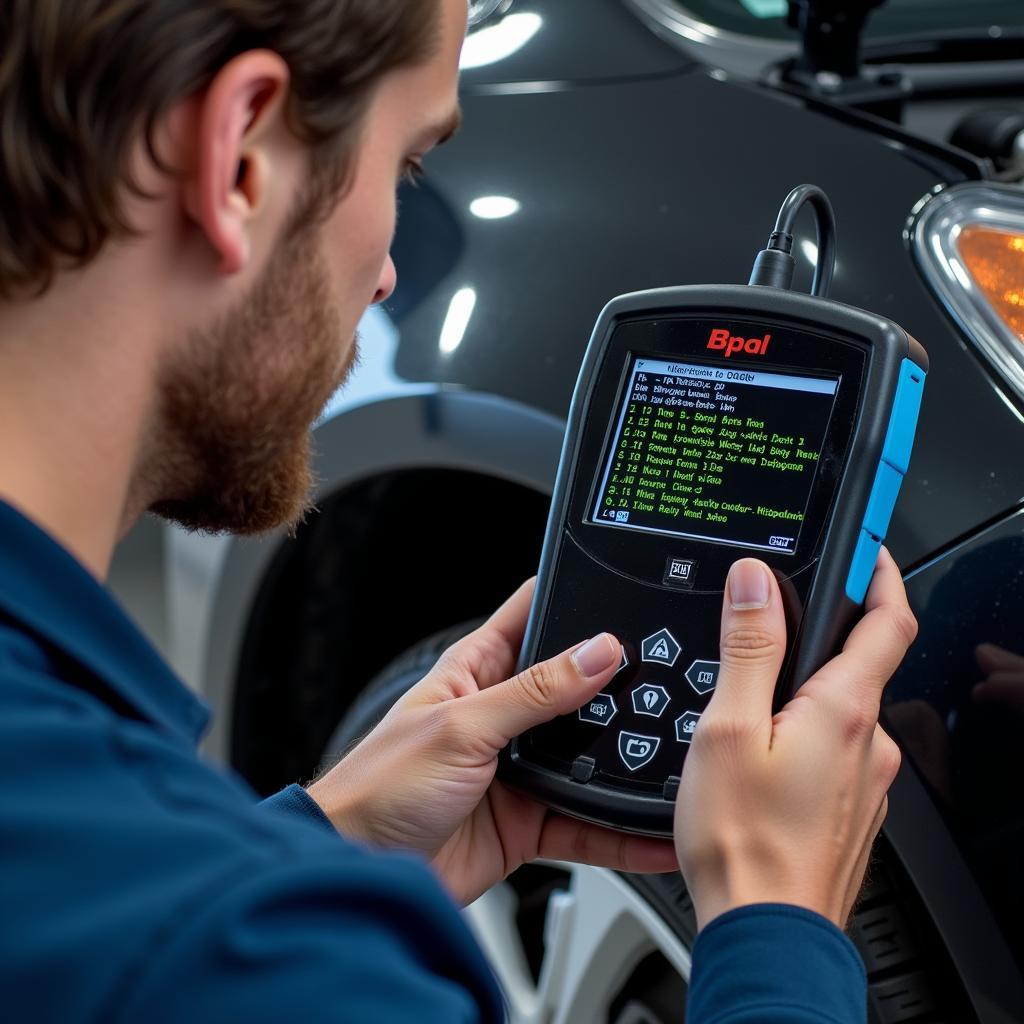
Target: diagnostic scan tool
x,y
710,423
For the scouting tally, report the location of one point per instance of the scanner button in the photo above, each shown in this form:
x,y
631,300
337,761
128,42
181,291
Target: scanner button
x,y
636,750
650,699
679,572
662,648
685,725
600,710
703,676
883,499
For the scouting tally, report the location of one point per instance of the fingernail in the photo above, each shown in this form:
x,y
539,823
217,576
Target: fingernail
x,y
596,655
749,586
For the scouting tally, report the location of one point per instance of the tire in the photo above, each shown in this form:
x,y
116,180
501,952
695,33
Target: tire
x,y
610,948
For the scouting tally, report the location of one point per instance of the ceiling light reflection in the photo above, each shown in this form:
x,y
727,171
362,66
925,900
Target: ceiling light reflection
x,y
496,42
460,310
494,207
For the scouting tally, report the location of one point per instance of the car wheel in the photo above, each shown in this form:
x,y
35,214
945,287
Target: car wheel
x,y
572,944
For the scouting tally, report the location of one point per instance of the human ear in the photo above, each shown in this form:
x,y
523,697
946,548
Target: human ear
x,y
228,183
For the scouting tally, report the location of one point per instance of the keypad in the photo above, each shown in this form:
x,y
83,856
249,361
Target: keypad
x,y
627,736
640,694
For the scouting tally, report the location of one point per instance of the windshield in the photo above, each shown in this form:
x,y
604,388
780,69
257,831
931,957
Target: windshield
x,y
925,18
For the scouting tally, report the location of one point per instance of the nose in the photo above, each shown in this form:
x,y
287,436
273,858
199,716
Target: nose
x,y
388,280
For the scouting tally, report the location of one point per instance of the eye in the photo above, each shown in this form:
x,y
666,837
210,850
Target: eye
x,y
413,172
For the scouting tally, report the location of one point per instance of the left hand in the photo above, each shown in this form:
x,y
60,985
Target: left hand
x,y
423,779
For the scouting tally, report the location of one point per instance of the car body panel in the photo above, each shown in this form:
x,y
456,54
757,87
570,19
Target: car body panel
x,y
968,755
690,214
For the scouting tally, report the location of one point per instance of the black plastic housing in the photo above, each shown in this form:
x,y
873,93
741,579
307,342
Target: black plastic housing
x,y
587,582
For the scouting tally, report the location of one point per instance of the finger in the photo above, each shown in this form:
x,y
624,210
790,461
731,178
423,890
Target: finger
x,y
878,643
992,658
567,839
549,688
752,645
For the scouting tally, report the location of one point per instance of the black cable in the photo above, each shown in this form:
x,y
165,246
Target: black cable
x,y
774,266
825,220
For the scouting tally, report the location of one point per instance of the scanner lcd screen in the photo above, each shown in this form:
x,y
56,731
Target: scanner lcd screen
x,y
714,452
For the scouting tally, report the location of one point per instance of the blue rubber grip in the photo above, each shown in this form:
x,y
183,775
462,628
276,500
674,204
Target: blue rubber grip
x,y
899,442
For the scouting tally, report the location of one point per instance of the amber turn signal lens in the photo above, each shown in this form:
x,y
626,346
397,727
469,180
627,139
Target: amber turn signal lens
x,y
995,260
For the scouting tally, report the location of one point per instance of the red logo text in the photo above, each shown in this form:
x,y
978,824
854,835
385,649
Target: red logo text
x,y
721,339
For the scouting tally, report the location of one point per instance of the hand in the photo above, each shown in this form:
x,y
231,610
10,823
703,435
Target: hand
x,y
424,778
1004,682
785,808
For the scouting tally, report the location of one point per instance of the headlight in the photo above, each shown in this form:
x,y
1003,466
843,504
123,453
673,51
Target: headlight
x,y
969,243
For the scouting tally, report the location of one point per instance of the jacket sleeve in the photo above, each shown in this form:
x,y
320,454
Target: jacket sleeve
x,y
295,803
341,940
775,964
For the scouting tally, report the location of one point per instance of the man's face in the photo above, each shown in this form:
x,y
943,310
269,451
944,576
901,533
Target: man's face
x,y
238,405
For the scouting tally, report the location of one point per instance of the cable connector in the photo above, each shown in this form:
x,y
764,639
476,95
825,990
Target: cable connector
x,y
774,266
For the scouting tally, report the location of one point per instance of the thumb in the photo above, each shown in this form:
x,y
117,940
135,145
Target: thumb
x,y
550,688
752,645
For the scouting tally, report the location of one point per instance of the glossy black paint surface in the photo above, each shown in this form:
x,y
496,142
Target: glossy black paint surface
x,y
578,40
674,177
969,751
677,181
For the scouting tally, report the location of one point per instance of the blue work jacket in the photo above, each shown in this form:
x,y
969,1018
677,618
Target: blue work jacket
x,y
140,883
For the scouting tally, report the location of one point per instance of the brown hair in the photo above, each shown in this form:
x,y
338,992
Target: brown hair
x,y
80,79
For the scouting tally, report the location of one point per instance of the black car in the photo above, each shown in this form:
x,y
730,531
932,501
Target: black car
x,y
618,145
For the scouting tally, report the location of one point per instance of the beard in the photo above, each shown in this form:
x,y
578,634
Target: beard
x,y
236,444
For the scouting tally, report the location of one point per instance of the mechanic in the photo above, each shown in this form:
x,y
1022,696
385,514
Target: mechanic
x,y
198,200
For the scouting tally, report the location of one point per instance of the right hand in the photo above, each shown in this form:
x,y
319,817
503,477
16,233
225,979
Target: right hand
x,y
785,808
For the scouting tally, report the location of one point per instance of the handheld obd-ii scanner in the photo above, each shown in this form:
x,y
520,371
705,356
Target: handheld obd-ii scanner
x,y
710,423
